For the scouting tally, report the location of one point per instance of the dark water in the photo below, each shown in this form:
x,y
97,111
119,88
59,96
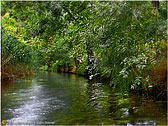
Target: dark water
x,y
53,98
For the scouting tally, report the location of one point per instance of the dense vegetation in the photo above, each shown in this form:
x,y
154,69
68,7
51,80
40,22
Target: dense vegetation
x,y
124,42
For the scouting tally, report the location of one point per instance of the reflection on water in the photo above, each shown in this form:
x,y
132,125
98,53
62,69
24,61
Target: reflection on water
x,y
33,104
69,99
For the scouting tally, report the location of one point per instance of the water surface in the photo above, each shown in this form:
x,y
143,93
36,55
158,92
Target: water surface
x,y
57,98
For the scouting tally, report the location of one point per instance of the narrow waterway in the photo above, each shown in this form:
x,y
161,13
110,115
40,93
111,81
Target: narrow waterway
x,y
57,98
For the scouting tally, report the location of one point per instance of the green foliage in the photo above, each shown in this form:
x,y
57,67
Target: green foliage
x,y
13,48
55,66
82,69
119,40
44,68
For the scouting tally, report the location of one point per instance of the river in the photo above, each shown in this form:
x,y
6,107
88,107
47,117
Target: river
x,y
67,99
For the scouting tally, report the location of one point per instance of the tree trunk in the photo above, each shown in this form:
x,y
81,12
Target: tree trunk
x,y
156,4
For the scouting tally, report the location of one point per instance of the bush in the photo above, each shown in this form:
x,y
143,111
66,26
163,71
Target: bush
x,y
44,68
55,66
82,69
13,48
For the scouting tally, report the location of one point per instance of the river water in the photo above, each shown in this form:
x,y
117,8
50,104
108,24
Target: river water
x,y
67,99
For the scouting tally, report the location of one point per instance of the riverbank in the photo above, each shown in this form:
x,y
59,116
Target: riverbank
x,y
13,72
156,92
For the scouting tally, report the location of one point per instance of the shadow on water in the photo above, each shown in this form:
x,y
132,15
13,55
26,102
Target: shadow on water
x,y
70,99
